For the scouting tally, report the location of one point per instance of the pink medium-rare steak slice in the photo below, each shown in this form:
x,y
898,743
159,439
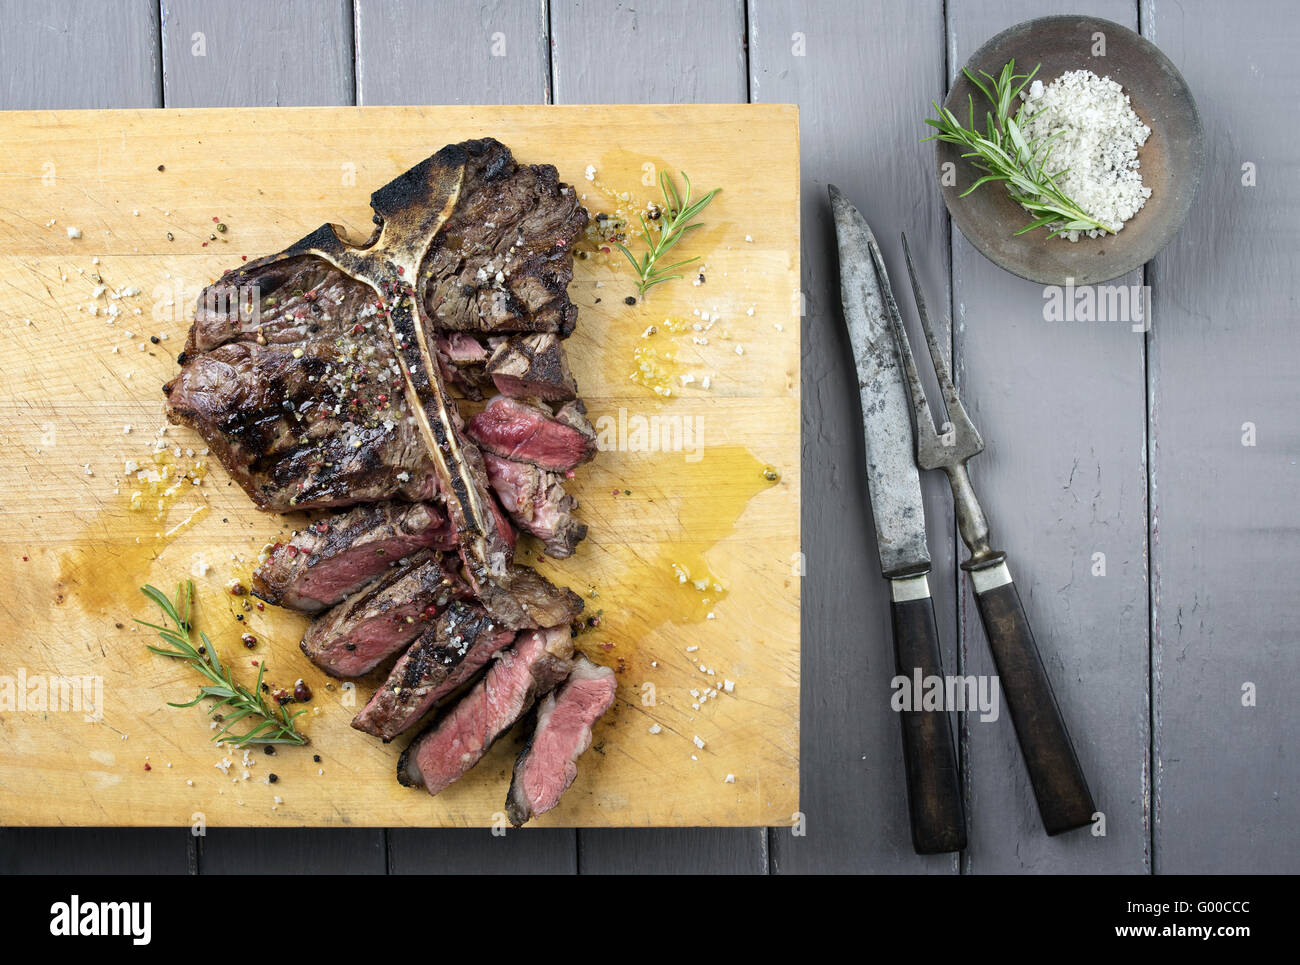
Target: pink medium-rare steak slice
x,y
332,558
548,763
537,662
444,658
370,626
524,432
537,502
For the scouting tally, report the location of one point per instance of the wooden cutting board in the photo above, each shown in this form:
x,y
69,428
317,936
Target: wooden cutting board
x,y
692,480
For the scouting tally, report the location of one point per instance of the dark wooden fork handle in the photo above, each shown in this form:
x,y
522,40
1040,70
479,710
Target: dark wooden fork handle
x,y
1064,800
929,755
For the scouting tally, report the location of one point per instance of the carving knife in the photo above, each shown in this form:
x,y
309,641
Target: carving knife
x,y
929,754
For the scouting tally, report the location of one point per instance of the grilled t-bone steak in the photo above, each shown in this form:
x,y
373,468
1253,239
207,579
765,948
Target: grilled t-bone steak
x,y
313,373
445,657
323,377
548,763
370,626
333,558
538,661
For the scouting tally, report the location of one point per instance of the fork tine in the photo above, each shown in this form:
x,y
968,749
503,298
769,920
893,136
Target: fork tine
x,y
952,402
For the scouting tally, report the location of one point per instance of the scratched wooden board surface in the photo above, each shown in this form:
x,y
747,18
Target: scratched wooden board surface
x,y
68,397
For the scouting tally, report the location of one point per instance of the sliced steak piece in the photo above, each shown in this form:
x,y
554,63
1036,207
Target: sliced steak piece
x,y
549,761
537,662
537,502
333,558
532,366
369,627
445,657
529,433
529,600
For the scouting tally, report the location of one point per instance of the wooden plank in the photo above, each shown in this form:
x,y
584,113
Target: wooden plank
x,y
649,52
1223,522
94,851
649,508
443,52
56,55
292,851
79,53
860,110
1060,405
626,56
695,851
500,56
246,53
443,852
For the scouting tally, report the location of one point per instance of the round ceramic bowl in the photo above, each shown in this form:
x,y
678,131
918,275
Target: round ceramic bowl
x,y
1171,159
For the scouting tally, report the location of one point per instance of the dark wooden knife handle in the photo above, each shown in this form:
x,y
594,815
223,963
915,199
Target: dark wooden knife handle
x,y
933,788
1064,800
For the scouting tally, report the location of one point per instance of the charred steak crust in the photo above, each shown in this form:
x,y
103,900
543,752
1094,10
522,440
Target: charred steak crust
x,y
321,564
529,601
532,366
370,626
444,658
441,755
504,260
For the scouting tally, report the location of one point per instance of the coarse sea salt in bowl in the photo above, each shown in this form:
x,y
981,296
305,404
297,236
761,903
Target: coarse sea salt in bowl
x,y
1169,160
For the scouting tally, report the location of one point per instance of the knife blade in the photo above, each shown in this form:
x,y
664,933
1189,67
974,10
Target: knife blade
x,y
934,802
893,480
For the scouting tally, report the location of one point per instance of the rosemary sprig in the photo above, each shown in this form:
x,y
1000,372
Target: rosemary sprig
x,y
678,214
269,725
1003,154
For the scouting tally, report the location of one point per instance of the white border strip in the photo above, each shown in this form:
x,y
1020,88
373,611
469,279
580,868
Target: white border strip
x,y
909,588
990,578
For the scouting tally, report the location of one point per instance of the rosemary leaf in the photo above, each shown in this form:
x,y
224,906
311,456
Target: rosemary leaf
x,y
677,219
269,725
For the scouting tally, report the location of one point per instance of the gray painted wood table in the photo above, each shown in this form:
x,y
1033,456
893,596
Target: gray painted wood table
x,y
1146,482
